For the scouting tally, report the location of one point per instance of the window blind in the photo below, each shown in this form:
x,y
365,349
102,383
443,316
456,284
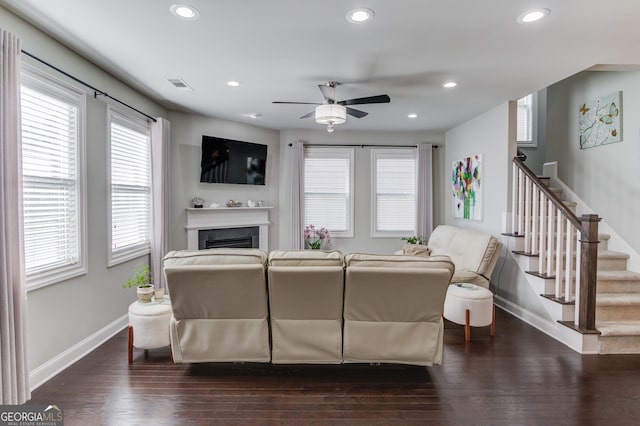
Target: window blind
x,y
328,187
525,122
51,189
395,191
130,176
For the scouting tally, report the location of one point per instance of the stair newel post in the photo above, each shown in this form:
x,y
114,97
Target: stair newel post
x,y
588,271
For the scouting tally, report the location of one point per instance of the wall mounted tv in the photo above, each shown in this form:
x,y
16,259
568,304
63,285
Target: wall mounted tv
x,y
229,161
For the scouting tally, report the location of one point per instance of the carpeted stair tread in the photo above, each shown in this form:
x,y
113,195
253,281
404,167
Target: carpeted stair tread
x,y
609,254
618,328
618,276
618,299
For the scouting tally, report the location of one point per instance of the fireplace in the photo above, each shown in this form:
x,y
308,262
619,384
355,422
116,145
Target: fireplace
x,y
245,237
228,219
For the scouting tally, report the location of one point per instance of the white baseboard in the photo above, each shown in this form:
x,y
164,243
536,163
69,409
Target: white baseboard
x,y
584,344
46,371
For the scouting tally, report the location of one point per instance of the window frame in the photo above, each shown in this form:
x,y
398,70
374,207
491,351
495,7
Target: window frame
x,y
533,143
398,153
337,152
116,257
40,81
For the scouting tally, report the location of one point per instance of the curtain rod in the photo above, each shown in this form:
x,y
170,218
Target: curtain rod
x,y
363,145
96,91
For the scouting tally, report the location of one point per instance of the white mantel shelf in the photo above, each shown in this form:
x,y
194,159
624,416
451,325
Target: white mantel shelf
x,y
227,217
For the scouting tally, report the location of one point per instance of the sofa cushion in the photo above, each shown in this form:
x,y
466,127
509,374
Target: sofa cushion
x,y
305,258
216,256
398,261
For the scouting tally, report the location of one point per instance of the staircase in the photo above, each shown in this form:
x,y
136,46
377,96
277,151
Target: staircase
x,y
543,235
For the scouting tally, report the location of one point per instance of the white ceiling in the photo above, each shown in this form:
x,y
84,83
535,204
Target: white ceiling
x,y
282,49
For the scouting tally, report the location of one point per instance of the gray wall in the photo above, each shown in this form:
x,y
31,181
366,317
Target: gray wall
x,y
62,315
186,142
362,240
605,177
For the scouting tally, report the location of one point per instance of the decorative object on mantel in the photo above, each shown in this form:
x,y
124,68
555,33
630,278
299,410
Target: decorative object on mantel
x,y
251,203
214,205
234,203
197,202
260,203
600,121
467,188
316,239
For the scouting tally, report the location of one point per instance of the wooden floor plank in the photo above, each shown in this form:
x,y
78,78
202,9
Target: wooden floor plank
x,y
519,377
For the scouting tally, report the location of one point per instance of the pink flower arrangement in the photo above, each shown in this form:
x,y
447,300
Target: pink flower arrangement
x,y
316,238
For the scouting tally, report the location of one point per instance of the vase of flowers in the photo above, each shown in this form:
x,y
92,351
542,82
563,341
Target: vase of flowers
x,y
316,238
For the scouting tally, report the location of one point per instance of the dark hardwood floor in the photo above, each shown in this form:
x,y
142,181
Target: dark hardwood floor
x,y
519,377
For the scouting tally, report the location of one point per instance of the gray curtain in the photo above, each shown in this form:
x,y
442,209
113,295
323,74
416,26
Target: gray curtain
x,y
297,196
160,182
424,211
14,371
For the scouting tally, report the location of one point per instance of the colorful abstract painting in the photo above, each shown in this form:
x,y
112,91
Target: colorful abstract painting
x,y
600,121
467,188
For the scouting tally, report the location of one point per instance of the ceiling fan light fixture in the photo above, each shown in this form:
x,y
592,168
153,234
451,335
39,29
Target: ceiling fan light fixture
x,y
360,15
331,114
184,11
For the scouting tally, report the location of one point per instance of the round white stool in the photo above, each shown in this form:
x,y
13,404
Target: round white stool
x,y
149,325
470,305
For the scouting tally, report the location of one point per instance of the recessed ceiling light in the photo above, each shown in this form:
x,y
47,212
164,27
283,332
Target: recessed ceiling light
x,y
184,11
233,83
360,15
533,15
450,84
254,115
412,115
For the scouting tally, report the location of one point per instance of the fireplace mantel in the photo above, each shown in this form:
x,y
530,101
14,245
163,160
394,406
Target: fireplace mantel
x,y
227,217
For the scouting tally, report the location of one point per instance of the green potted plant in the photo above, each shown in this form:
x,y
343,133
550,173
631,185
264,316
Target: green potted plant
x,y
413,240
141,279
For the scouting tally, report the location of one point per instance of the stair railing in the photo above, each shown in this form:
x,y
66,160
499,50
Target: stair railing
x,y
552,232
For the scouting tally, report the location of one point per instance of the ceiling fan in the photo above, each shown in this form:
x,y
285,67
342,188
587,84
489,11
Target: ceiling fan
x,y
332,112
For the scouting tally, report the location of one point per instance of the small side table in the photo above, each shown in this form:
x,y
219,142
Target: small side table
x,y
149,326
470,305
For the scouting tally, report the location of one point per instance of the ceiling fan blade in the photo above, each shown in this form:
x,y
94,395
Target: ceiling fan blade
x,y
380,99
328,92
308,114
356,112
296,103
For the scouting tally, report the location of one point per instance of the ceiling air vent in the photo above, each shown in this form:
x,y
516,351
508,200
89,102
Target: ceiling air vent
x,y
179,83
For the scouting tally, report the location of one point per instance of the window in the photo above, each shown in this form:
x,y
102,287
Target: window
x,y
53,181
394,192
129,187
328,189
527,120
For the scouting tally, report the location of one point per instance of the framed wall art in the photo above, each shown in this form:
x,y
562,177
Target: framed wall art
x,y
466,178
600,121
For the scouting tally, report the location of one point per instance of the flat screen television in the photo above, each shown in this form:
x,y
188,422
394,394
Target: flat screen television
x,y
230,161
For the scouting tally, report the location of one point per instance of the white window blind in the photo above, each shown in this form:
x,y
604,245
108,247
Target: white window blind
x,y
526,120
394,187
328,189
52,117
130,187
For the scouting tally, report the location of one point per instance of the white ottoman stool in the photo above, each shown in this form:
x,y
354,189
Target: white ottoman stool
x,y
149,325
470,305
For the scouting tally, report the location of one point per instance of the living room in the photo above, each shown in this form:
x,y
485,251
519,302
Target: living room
x,y
60,332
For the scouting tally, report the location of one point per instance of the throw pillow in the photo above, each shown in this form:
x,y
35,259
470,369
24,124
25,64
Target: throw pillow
x,y
416,250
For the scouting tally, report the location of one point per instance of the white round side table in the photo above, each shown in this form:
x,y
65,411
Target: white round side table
x,y
470,305
149,325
